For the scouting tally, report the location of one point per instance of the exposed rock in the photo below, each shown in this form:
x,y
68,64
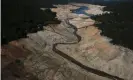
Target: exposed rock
x,y
92,51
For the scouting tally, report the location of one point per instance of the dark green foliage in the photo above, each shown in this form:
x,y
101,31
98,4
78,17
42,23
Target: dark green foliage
x,y
18,62
117,25
18,20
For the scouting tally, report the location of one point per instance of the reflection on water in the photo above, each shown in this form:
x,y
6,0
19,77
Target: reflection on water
x,y
81,10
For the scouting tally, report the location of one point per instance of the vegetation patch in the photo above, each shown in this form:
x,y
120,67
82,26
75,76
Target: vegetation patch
x,y
117,25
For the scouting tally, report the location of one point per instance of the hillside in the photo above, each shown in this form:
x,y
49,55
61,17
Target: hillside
x,y
71,50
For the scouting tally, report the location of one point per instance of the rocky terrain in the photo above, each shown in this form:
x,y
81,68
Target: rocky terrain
x,y
71,50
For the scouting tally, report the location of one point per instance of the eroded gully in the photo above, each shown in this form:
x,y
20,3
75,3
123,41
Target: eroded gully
x,y
69,58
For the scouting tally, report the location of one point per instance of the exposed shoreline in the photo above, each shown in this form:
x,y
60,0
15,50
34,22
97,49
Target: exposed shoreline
x,y
87,49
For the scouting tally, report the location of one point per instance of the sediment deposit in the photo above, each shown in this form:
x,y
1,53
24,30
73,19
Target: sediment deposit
x,y
75,50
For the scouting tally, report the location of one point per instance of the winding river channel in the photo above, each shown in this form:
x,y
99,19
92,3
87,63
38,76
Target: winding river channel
x,y
89,69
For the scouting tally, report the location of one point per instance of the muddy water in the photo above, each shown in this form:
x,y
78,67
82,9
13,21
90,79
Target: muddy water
x,y
69,58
